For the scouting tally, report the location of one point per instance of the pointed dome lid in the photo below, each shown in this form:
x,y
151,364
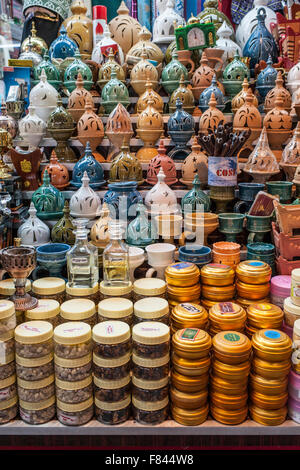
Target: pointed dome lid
x,y
278,118
79,96
38,44
60,118
204,73
278,90
206,95
63,46
143,100
124,28
161,160
115,91
85,203
77,65
161,199
43,94
180,120
90,124
163,28
33,231
59,174
99,232
111,64
236,69
51,71
87,164
248,114
150,118
291,152
224,31
184,94
140,231
240,99
152,50
212,116
143,69
269,71
125,166
262,159
48,200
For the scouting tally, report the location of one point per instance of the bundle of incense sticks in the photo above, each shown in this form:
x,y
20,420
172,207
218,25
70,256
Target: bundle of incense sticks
x,y
222,141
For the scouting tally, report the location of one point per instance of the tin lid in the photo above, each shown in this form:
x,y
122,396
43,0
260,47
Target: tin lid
x,y
151,308
182,270
232,370
296,327
189,311
113,406
111,332
217,383
115,291
217,271
246,302
33,332
8,403
150,332
82,291
272,384
8,381
7,309
48,286
149,286
191,339
190,364
71,363
72,332
221,399
74,407
150,384
262,399
36,384
190,417
112,384
47,308
272,341
281,285
252,268
7,287
260,365
183,399
296,274
159,362
37,406
115,308
150,405
245,289
290,307
77,309
226,312
189,382
67,385
231,342
268,417
119,361
34,361
263,311
229,416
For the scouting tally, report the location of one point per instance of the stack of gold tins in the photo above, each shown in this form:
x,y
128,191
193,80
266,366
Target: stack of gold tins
x,y
188,315
217,282
229,377
225,316
182,283
263,315
268,381
190,374
253,282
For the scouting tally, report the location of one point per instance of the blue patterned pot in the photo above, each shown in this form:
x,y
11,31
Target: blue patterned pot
x,y
247,194
181,127
63,46
195,198
122,199
206,95
91,166
52,257
264,252
197,254
266,79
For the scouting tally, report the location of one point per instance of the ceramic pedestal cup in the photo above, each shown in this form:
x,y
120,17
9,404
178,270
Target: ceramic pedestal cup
x,y
160,255
136,259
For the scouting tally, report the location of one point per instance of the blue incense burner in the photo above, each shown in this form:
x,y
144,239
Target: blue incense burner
x,y
266,79
91,166
181,127
195,200
122,198
52,258
206,95
63,46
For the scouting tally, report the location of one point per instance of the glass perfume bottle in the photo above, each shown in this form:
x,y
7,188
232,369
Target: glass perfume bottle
x,y
116,257
82,259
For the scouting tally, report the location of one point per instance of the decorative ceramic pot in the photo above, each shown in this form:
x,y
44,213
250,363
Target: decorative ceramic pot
x,y
233,76
247,194
85,203
211,118
163,28
80,28
228,253
142,102
153,52
33,231
248,117
136,259
43,97
293,78
141,72
51,72
90,128
15,109
141,232
48,200
262,163
52,258
114,92
162,160
181,127
222,196
171,74
261,43
32,129
37,43
295,102
99,232
185,95
169,227
195,200
71,74
210,13
283,189
266,79
27,166
278,124
240,99
291,155
59,175
124,29
258,226
29,54
264,252
61,127
214,57
195,162
7,122
231,224
63,230
77,99
150,127
118,129
125,167
185,57
161,199
106,68
224,42
196,254
278,92
202,77
122,199
202,224
206,95
87,164
63,46
102,48
160,255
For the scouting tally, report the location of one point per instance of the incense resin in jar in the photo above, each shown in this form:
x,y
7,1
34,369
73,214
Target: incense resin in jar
x,y
106,292
148,412
73,370
49,288
112,339
149,287
74,392
112,413
72,340
147,390
34,368
154,309
75,414
89,293
8,410
47,310
151,340
82,310
37,413
111,369
36,391
34,339
116,308
112,390
150,369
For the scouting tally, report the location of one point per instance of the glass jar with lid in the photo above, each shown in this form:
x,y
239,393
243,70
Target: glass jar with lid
x,y
112,390
149,287
75,414
116,257
72,340
47,310
253,272
231,347
49,288
109,291
291,312
112,412
34,368
149,412
7,288
151,309
39,412
74,392
150,369
217,275
7,366
37,390
111,339
83,310
73,370
111,369
8,388
147,390
91,293
116,308
151,340
7,346
34,339
227,316
191,343
8,410
7,316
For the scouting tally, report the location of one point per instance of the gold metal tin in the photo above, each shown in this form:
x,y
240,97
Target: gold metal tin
x,y
188,400
268,386
192,367
189,383
229,402
185,315
252,291
227,316
271,370
264,315
191,343
184,294
268,417
182,274
232,372
246,302
190,417
217,275
214,331
250,331
268,402
227,387
231,347
218,294
229,417
209,303
272,345
253,272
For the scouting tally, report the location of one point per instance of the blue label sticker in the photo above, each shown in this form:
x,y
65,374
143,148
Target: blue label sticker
x,y
271,334
256,263
181,265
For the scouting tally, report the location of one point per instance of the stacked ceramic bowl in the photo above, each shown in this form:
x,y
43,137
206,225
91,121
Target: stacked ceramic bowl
x,y
268,382
217,284
225,316
229,377
188,315
263,315
182,283
190,374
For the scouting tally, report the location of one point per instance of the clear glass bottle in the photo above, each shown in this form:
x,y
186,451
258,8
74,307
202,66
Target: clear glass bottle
x,y
82,259
116,257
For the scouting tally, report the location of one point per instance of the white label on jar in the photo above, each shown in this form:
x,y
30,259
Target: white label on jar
x,y
4,394
68,419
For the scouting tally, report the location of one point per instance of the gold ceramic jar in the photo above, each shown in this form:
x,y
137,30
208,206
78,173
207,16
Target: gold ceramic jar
x,y
191,343
184,294
271,370
188,401
49,288
218,294
264,315
268,386
182,274
268,402
268,417
189,384
192,367
232,372
227,316
252,291
245,303
231,347
229,417
272,345
253,272
190,417
189,315
217,275
229,402
218,385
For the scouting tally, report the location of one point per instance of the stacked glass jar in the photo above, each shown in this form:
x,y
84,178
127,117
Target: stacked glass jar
x,y
106,292
294,376
73,373
225,316
188,315
263,315
49,288
47,310
190,374
151,308
217,283
90,293
112,352
7,289
229,377
83,310
35,373
253,281
8,388
151,359
182,283
116,308
149,287
268,382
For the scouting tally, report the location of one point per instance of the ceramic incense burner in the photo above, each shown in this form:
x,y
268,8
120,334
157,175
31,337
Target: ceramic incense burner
x,y
150,126
195,162
8,122
59,175
61,127
202,77
278,124
80,28
87,164
233,76
161,161
185,95
248,116
125,29
63,230
240,99
211,117
118,129
125,167
142,103
34,232
114,92
90,129
77,99
291,155
153,52
48,200
142,72
181,127
105,70
278,92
